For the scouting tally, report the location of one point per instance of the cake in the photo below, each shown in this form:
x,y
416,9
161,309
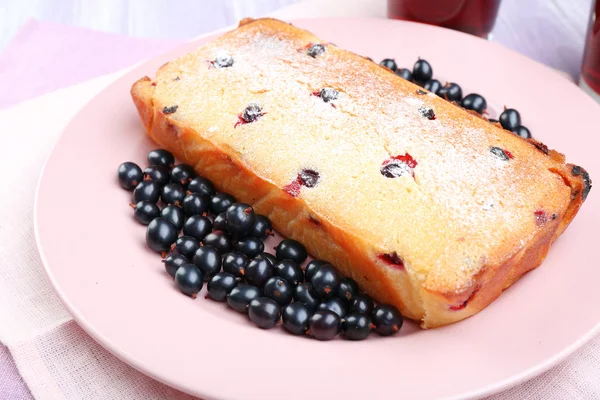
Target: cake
x,y
427,206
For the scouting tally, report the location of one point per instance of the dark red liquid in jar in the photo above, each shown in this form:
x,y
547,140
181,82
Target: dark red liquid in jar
x,y
591,58
476,17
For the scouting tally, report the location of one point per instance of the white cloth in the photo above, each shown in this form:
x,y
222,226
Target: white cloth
x,y
59,361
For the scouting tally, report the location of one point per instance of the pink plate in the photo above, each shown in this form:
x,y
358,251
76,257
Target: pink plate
x,y
117,290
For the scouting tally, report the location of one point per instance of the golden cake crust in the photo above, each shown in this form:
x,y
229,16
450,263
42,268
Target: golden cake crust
x,y
440,242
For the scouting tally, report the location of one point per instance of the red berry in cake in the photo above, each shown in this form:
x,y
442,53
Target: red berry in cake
x,y
235,263
387,319
474,102
541,217
240,219
522,131
240,297
451,92
316,50
292,250
510,119
433,86
130,175
309,178
295,318
161,157
389,64
422,72
170,110
158,174
392,259
279,289
334,304
427,112
304,294
405,74
189,280
220,285
398,166
264,312
326,281
197,226
174,214
208,260
324,325
219,240
500,153
293,189
223,61
356,326
328,94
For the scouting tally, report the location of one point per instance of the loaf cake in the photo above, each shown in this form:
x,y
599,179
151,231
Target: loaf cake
x,y
426,205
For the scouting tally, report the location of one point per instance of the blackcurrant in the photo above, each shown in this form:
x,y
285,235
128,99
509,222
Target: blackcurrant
x,y
240,218
220,202
433,86
158,174
474,102
161,157
144,211
161,234
422,72
312,267
220,285
290,271
172,193
347,290
295,318
235,263
356,326
240,297
326,281
262,227
451,92
362,304
324,325
173,262
249,246
188,279
264,312
522,131
389,63
202,186
174,214
146,190
197,226
182,174
334,304
208,260
130,175
405,73
510,119
270,257
304,294
220,222
258,271
279,290
219,240
387,319
292,250
186,246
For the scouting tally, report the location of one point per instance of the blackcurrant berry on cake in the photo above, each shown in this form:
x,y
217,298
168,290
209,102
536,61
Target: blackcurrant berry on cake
x,y
587,181
356,326
197,226
174,214
189,280
328,94
500,153
324,325
522,131
235,263
264,312
326,281
208,260
170,110
427,112
241,296
422,72
451,92
146,191
223,60
405,74
144,211
334,304
433,86
387,319
542,147
130,175
160,235
252,112
541,217
173,262
309,178
304,294
392,259
398,166
219,240
291,249
474,102
158,173
316,50
202,186
172,193
220,285
279,289
186,246
510,119
161,157
295,318
389,63
182,174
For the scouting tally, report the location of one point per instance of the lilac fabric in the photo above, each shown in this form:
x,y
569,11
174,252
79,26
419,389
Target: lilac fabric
x,y
11,384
